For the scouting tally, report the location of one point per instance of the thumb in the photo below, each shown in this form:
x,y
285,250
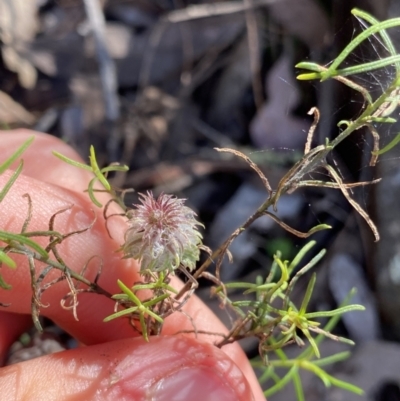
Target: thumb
x,y
167,368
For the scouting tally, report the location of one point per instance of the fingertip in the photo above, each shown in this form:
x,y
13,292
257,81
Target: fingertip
x,y
166,368
39,160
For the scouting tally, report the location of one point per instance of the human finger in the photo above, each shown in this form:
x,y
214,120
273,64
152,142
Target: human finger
x,y
47,199
167,368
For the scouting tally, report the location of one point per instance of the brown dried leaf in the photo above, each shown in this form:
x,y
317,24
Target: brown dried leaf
x,y
250,163
352,202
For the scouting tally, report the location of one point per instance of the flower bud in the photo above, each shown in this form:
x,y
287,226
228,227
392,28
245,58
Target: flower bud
x,y
162,234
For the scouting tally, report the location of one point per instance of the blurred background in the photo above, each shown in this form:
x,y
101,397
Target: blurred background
x,y
158,84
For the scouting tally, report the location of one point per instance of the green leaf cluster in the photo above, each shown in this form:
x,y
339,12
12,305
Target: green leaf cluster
x,y
100,175
276,321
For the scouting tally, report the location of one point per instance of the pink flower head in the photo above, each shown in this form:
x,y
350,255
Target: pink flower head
x,y
162,234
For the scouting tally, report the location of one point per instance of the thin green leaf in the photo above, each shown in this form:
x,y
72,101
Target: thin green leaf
x,y
246,302
346,386
284,278
11,181
343,122
390,23
120,296
298,387
114,168
309,76
362,68
329,360
385,120
96,170
328,327
302,271
72,162
4,166
309,65
129,293
299,234
154,286
261,287
155,301
241,285
282,383
329,380
307,296
144,328
154,316
121,313
4,258
389,146
91,193
317,371
319,227
312,343
281,354
338,311
3,284
385,37
268,373
7,237
300,255
316,69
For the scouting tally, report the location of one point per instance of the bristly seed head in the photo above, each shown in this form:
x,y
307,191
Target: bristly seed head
x,y
162,234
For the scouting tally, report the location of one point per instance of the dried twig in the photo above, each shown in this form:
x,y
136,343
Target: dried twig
x,y
313,111
250,163
353,203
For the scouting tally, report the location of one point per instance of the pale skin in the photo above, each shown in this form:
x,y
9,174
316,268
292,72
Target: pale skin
x,y
114,363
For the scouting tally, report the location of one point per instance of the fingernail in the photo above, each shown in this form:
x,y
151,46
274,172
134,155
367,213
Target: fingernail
x,y
195,384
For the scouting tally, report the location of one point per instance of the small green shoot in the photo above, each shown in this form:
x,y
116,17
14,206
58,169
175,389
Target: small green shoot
x,y
100,174
141,309
4,258
306,361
